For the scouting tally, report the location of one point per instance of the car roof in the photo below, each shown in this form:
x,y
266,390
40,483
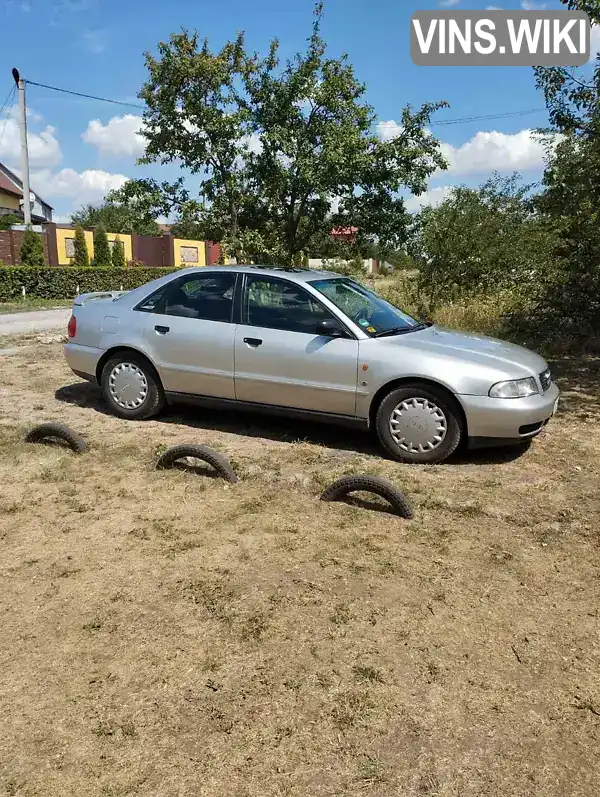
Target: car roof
x,y
299,275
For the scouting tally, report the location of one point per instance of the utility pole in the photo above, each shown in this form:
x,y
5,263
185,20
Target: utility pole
x,y
24,151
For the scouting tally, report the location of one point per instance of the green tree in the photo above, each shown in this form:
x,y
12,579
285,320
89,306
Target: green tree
x,y
569,296
81,258
283,153
8,219
573,101
118,253
118,216
480,241
102,254
32,249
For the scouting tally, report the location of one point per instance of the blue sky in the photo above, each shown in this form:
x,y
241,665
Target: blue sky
x,y
80,148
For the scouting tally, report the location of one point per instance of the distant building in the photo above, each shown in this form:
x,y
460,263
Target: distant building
x,y
347,234
11,198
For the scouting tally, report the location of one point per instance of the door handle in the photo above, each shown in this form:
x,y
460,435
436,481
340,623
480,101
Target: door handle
x,y
254,342
162,330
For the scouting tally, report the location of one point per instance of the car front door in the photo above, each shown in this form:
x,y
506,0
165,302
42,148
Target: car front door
x,y
190,334
282,359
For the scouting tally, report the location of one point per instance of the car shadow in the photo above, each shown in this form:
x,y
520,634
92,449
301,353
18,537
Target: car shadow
x,y
341,441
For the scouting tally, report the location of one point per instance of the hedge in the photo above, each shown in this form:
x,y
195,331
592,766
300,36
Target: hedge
x,y
65,282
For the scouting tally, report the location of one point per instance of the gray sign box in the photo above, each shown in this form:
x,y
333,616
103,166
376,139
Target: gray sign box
x,y
500,38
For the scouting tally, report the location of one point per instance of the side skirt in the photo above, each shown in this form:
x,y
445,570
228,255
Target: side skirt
x,y
211,402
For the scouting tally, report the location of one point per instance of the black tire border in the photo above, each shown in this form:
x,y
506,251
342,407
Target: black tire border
x,y
219,462
59,431
340,488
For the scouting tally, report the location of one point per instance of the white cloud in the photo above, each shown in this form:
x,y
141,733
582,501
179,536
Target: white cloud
x,y
386,131
449,3
91,185
44,149
119,136
433,197
93,41
493,8
531,5
494,151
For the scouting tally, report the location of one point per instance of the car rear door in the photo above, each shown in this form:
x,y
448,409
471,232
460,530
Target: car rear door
x,y
190,335
280,359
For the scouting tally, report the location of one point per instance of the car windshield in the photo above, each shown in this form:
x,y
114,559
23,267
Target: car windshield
x,y
374,315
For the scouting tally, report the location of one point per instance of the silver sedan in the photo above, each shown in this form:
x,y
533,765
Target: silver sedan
x,y
307,344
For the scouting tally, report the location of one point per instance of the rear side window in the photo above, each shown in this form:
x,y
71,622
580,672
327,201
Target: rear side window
x,y
152,302
207,297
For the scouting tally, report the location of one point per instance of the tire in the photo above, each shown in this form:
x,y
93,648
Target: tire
x,y
424,406
149,399
220,463
57,431
371,484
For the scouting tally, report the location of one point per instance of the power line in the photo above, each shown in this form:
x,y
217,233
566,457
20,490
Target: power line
x,y
462,120
87,96
503,115
7,101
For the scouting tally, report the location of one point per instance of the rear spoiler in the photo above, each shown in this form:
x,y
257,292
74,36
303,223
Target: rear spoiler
x,y
83,298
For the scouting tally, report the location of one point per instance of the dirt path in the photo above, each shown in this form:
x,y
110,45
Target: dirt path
x,y
36,321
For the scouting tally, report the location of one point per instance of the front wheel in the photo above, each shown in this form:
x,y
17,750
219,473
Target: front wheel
x,y
131,387
419,424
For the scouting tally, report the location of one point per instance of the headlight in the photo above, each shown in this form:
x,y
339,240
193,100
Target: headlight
x,y
516,388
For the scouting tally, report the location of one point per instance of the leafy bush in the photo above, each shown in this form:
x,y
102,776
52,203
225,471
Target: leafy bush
x,y
481,241
32,249
63,282
8,219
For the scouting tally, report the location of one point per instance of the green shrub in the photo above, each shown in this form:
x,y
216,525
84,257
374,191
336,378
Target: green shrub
x,y
101,247
62,282
32,249
82,258
118,254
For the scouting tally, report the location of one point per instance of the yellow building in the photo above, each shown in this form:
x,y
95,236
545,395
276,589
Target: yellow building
x,y
65,244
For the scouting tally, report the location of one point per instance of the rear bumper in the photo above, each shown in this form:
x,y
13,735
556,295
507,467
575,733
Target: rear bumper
x,y
510,420
83,360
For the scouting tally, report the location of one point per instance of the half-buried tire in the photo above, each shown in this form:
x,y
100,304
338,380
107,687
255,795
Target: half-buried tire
x,y
48,432
217,461
341,488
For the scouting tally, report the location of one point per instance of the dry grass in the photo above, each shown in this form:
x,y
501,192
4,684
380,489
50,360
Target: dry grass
x,y
167,634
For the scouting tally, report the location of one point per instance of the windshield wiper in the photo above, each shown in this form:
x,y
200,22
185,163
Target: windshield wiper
x,y
393,331
422,325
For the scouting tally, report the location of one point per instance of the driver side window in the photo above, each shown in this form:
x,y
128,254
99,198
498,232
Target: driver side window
x,y
277,304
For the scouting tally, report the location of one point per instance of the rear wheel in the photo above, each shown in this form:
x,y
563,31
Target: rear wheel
x,y
418,423
131,387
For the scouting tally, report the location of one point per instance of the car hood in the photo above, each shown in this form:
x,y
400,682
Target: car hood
x,y
512,360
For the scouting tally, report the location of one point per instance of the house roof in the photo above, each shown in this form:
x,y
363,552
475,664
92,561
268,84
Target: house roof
x,y
8,186
344,231
11,184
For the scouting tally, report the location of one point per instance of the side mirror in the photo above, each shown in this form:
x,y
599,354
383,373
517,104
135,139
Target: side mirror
x,y
329,329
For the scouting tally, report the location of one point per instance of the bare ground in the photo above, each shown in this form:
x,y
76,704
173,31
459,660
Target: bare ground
x,y
164,633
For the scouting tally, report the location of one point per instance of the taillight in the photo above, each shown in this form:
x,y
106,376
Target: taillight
x,y
72,327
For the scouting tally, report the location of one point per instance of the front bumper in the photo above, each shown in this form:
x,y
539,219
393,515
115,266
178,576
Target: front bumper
x,y
509,419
